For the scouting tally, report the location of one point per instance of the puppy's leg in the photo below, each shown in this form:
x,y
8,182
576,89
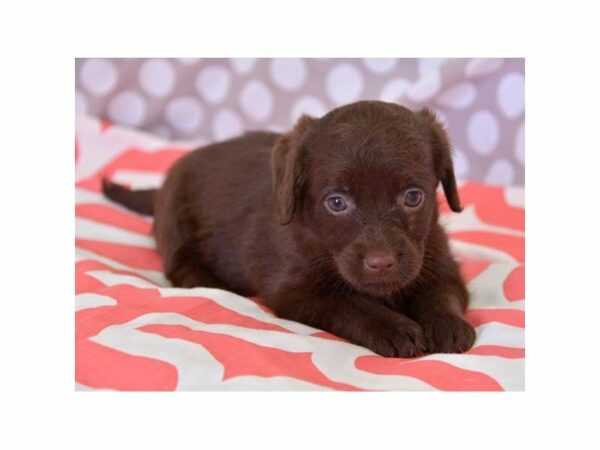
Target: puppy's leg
x,y
184,269
362,321
439,309
174,233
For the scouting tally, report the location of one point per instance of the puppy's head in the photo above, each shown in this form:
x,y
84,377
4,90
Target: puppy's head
x,y
362,182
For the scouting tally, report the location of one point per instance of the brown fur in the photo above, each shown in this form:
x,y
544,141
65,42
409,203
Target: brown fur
x,y
250,215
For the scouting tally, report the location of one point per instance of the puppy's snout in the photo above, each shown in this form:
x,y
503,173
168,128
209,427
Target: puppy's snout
x,y
379,263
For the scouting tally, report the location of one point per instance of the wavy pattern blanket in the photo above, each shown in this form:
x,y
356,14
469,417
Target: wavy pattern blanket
x,y
136,332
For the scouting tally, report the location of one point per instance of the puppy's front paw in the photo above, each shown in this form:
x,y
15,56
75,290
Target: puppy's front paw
x,y
398,338
447,333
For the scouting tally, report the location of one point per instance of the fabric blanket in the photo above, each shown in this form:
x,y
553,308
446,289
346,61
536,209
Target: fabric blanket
x,y
135,332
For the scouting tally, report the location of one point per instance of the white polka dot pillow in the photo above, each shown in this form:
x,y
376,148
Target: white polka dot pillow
x,y
481,101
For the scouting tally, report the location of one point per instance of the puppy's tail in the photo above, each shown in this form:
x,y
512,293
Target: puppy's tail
x,y
141,201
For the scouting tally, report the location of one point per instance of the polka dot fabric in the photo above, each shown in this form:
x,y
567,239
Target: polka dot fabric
x,y
481,101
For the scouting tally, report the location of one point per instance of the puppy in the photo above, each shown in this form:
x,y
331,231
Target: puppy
x,y
334,224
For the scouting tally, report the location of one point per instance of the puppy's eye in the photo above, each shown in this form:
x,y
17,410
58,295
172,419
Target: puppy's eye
x,y
336,204
413,198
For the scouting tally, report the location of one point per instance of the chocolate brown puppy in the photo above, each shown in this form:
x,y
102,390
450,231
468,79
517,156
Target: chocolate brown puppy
x,y
334,224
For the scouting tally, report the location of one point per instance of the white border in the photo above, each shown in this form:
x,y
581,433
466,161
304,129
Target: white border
x,y
40,42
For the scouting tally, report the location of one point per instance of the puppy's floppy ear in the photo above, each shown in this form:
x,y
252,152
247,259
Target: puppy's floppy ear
x,y
442,158
288,169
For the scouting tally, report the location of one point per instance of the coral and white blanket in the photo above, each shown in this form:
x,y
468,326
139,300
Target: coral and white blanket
x,y
135,332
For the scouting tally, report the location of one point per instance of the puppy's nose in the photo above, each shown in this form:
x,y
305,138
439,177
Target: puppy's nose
x,y
379,263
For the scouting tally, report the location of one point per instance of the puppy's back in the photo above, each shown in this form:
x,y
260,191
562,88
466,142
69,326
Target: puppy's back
x,y
225,176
